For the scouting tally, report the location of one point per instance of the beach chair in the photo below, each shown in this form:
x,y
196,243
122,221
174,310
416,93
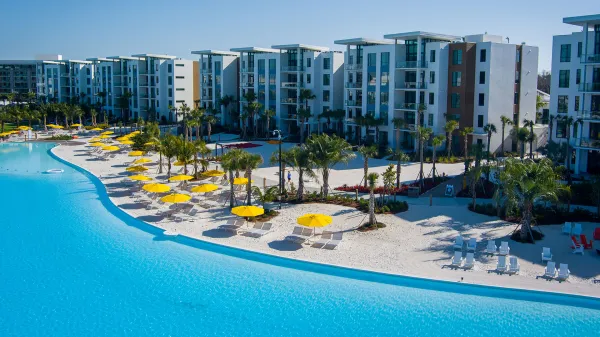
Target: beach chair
x,y
336,239
471,245
550,270
515,267
260,229
577,229
232,225
546,255
325,237
457,259
469,261
585,243
502,266
577,248
567,228
491,247
563,271
299,234
504,249
458,242
597,234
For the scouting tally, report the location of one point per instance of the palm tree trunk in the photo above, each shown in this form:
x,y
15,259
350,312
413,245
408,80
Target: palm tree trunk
x,y
398,171
160,162
488,148
372,220
433,160
300,193
196,165
449,145
422,184
302,132
249,186
502,151
209,131
365,170
231,201
325,182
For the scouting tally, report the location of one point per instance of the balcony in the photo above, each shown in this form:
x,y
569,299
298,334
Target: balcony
x,y
588,143
411,64
406,106
246,70
590,58
353,103
205,71
353,85
292,85
247,84
409,126
411,85
206,98
143,72
589,87
587,115
292,68
207,84
353,66
289,100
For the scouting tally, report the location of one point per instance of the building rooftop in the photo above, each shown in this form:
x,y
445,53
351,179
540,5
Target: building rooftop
x,y
156,56
124,58
100,59
215,52
16,62
361,41
301,46
417,34
593,19
254,50
80,61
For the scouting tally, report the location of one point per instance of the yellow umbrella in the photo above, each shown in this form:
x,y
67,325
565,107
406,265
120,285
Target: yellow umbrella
x,y
95,139
97,144
136,169
205,188
314,220
107,133
178,163
143,161
96,129
104,137
156,188
23,128
76,125
136,153
240,181
57,127
181,177
139,177
214,173
176,198
247,211
150,143
135,133
111,148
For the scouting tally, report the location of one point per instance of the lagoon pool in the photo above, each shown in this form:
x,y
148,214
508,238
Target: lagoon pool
x,y
72,264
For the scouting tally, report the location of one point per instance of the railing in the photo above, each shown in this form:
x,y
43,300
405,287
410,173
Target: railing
x,y
247,84
588,142
205,71
353,66
206,98
292,68
585,114
409,126
292,85
411,85
246,70
406,106
590,58
353,103
289,100
589,87
354,85
411,64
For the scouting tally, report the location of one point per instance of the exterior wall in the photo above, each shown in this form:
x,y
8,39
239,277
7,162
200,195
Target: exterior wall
x,y
21,77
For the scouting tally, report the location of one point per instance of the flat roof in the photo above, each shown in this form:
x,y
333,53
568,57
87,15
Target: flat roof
x,y
301,46
361,41
20,61
124,58
416,34
100,59
593,19
254,50
79,61
215,52
156,56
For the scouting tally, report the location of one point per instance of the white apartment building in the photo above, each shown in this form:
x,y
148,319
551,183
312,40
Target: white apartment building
x,y
474,80
20,77
68,81
575,91
218,77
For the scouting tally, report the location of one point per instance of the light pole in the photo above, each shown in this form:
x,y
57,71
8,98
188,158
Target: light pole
x,y
278,132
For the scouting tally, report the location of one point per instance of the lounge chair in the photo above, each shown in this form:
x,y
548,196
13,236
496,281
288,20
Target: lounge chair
x,y
502,266
585,243
597,234
491,247
232,225
577,229
471,245
577,249
457,259
564,272
546,254
325,237
504,249
299,234
336,239
567,228
260,229
458,242
515,267
550,270
469,261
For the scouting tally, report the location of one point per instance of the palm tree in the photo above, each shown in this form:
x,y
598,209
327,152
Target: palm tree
x,y
550,125
420,109
231,161
372,178
196,119
249,162
328,151
505,121
305,96
450,126
270,194
102,103
398,123
225,101
489,129
436,142
474,176
210,120
170,150
525,183
424,135
184,110
367,152
299,158
465,132
285,158
268,114
77,111
522,137
186,153
529,124
400,157
303,115
244,118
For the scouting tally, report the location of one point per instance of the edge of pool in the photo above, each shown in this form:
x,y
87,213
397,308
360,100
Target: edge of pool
x,y
526,294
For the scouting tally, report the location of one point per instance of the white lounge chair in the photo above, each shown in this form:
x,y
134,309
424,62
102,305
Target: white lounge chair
x,y
260,229
471,245
457,259
469,261
546,255
232,225
577,229
578,249
325,237
504,249
550,270
502,266
567,228
564,272
336,239
491,247
515,267
299,234
458,242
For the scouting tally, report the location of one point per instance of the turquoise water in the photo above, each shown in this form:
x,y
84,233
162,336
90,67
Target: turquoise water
x,y
72,264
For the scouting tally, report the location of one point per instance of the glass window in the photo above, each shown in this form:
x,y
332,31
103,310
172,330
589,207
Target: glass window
x,y
430,119
308,78
561,129
371,57
565,53
371,97
517,76
272,66
482,55
385,78
170,91
432,56
579,48
327,63
563,78
457,57
371,78
516,100
481,99
170,80
455,101
563,104
578,76
432,77
385,60
261,66
384,98
351,59
518,55
170,68
456,78
431,99
308,62
479,121
482,77
576,103
326,79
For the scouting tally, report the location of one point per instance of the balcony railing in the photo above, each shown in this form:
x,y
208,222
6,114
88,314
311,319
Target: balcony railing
x,y
292,85
247,84
246,70
354,85
292,68
353,103
586,114
207,84
588,143
590,58
289,100
411,64
409,126
206,98
406,106
205,71
589,87
411,85
353,66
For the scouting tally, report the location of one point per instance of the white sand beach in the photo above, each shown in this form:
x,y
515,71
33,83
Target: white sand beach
x,y
414,243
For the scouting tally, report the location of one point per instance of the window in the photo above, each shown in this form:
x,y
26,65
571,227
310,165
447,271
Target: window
x,y
87,71
384,98
432,56
308,78
579,48
371,78
170,80
455,101
430,119
432,77
563,104
479,121
371,57
385,78
565,53
576,103
518,55
578,76
170,67
482,55
272,66
385,60
431,99
561,129
351,59
326,79
563,78
457,57
89,81
261,66
481,99
180,89
170,91
157,105
308,62
170,103
371,97
180,77
456,78
517,76
516,100
179,65
482,77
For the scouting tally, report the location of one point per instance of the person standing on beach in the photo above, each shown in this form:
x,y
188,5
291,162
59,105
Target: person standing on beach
x,y
289,177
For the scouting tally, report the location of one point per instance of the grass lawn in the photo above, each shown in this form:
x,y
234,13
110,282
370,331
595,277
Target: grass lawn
x,y
9,127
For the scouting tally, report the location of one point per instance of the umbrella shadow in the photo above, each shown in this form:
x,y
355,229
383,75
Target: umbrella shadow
x,y
150,218
132,206
285,246
218,234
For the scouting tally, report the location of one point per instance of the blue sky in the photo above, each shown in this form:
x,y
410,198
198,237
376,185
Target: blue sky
x,y
81,29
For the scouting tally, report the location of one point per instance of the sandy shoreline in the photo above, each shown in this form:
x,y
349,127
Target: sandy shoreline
x,y
416,243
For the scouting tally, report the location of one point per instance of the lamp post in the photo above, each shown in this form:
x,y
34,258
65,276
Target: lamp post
x,y
278,132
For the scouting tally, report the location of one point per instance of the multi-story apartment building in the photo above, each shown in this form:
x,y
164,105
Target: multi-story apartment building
x,y
474,79
19,76
67,81
575,92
